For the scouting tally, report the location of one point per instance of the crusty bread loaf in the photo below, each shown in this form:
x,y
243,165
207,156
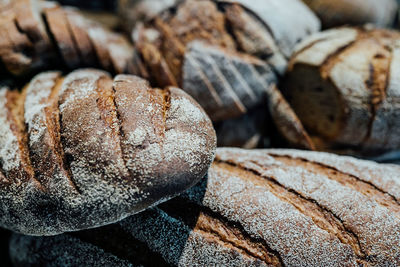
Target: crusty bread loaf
x,y
343,84
87,150
226,54
256,208
354,12
227,71
37,34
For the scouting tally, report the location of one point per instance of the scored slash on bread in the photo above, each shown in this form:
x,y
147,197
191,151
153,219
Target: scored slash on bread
x,y
342,83
272,207
33,31
227,55
86,150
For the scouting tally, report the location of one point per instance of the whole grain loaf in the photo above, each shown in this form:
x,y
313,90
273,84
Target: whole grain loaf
x,y
85,150
255,208
343,84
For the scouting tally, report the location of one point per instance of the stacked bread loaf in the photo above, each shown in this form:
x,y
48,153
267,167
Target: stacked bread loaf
x,y
117,166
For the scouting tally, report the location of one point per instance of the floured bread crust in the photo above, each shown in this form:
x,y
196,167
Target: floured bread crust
x,y
86,150
271,207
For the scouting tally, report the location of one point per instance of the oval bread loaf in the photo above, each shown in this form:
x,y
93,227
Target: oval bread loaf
x,y
38,34
354,12
86,150
226,54
256,208
344,85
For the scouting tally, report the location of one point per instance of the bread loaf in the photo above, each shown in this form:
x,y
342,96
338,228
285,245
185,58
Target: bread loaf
x,y
227,71
227,55
256,208
38,34
86,150
354,12
343,84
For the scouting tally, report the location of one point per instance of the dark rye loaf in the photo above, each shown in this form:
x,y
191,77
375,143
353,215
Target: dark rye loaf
x,y
343,84
85,150
37,34
256,208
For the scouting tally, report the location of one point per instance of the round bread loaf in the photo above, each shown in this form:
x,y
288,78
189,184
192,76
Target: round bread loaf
x,y
38,34
255,208
354,12
344,85
86,150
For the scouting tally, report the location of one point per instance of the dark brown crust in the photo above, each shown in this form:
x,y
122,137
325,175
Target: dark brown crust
x,y
222,53
86,150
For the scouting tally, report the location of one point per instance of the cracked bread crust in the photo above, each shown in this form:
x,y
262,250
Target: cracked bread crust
x,y
228,55
224,54
86,150
273,207
342,83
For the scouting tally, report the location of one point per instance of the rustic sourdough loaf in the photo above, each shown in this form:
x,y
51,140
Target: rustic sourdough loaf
x,y
354,12
343,84
255,208
228,55
86,150
38,34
